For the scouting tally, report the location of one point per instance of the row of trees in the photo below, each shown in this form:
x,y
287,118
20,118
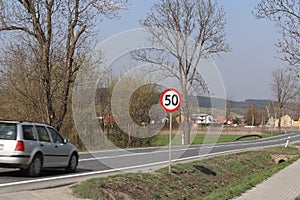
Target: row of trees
x,y
286,89
260,116
46,42
123,132
54,37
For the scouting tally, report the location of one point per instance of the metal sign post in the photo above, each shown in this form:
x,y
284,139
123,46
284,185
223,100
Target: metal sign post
x,y
170,144
170,100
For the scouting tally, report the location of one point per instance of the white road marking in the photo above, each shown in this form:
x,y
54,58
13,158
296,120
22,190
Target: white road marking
x,y
181,149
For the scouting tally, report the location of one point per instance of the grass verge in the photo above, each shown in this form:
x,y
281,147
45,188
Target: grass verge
x,y
163,139
218,178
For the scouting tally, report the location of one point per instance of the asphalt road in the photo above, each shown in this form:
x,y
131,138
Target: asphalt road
x,y
141,159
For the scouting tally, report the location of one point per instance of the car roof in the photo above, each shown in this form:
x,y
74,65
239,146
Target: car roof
x,y
23,122
12,122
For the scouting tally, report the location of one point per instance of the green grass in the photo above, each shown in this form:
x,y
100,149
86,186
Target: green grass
x,y
224,177
271,134
163,139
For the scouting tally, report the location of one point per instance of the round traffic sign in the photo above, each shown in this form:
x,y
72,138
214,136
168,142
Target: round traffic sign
x,y
170,100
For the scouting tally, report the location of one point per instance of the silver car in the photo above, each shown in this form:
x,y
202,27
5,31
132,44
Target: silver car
x,y
33,146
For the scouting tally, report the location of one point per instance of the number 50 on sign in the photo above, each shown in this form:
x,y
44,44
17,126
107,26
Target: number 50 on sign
x,y
170,100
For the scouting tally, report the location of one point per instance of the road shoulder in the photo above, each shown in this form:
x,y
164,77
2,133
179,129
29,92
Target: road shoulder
x,y
45,194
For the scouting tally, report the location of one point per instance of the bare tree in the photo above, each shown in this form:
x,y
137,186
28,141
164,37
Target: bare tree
x,y
285,88
272,110
286,15
22,93
59,31
172,24
252,114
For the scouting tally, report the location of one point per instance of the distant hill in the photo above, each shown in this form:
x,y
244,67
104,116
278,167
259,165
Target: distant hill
x,y
260,103
207,102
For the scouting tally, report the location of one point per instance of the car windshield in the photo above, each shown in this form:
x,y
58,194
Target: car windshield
x,y
8,131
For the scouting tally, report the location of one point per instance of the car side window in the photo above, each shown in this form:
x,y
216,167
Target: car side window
x,y
43,134
28,133
55,136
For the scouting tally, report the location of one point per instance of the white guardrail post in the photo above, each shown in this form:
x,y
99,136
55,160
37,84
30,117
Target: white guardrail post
x,y
287,141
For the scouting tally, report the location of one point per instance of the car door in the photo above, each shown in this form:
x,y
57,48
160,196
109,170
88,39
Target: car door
x,y
46,146
30,138
62,150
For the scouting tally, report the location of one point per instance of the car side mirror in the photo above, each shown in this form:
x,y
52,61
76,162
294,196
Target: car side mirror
x,y
66,141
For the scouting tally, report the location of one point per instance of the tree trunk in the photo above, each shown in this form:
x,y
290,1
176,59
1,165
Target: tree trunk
x,y
279,120
186,119
46,69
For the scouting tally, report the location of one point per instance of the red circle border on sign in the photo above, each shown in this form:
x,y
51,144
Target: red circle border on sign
x,y
161,100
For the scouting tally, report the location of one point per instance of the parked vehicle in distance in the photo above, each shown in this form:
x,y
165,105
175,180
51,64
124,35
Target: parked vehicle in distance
x,y
34,146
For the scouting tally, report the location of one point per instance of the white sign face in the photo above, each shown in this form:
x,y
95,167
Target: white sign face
x,y
170,100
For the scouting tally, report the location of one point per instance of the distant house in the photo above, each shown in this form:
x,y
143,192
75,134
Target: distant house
x,y
286,121
296,120
220,119
226,120
202,118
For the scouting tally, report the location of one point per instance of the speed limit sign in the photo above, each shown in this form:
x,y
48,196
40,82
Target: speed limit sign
x,y
170,100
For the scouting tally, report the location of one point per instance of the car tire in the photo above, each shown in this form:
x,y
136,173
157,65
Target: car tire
x,y
73,162
35,167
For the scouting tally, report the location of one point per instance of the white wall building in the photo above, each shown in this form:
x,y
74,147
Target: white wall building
x,y
202,118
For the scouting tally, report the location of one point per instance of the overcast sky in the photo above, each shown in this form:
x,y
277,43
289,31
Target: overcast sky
x,y
247,70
